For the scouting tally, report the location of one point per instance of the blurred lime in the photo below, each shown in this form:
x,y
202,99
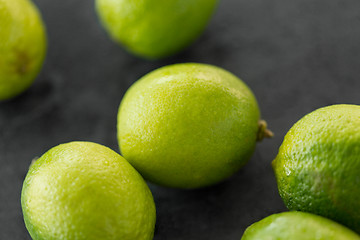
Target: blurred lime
x,y
318,165
155,28
189,125
22,46
298,225
84,191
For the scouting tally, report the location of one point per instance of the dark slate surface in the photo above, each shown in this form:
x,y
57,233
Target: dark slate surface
x,y
296,56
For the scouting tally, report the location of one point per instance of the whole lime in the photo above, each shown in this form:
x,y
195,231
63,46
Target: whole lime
x,y
22,46
189,125
82,190
298,225
318,165
155,28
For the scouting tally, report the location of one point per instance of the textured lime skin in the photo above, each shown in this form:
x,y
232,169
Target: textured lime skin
x,y
188,125
318,165
22,46
85,191
155,28
298,225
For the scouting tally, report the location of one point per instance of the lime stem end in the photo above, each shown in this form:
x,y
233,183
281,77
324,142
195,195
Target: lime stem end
x,y
263,132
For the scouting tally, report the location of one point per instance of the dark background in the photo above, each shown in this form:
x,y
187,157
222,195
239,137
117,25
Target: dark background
x,y
295,55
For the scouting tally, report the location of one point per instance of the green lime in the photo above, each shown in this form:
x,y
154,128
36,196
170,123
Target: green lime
x,y
155,28
318,165
298,225
85,191
189,125
22,46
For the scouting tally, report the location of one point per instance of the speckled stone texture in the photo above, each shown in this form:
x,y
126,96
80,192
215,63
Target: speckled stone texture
x,y
295,55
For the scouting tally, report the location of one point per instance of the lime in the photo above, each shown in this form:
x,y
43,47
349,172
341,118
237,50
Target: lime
x,y
298,225
22,46
82,190
155,28
189,125
318,165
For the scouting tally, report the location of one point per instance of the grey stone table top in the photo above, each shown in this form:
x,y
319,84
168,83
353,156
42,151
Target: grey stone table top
x,y
295,55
